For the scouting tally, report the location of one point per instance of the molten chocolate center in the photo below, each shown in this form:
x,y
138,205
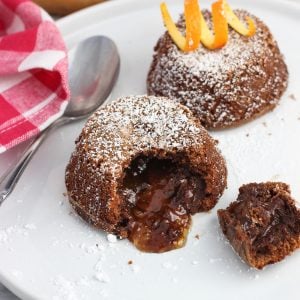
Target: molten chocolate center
x,y
160,192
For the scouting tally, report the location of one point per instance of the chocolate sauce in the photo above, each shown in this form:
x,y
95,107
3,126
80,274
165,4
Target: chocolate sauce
x,y
159,191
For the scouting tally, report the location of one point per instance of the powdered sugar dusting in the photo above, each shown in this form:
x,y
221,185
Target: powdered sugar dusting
x,y
9,232
136,124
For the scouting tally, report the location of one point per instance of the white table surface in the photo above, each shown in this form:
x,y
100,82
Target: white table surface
x,y
5,294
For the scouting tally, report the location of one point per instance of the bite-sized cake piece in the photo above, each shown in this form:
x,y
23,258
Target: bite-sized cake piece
x,y
142,166
263,225
223,87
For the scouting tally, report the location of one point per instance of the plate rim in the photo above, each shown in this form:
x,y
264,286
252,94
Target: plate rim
x,y
67,27
65,22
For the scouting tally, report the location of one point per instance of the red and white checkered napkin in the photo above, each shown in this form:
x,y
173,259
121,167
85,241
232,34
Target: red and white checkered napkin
x,y
33,72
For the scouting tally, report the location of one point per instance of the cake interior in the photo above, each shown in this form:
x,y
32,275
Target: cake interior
x,y
272,224
159,192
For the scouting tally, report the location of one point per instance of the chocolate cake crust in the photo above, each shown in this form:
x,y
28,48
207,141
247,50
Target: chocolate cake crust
x,y
124,130
224,87
263,225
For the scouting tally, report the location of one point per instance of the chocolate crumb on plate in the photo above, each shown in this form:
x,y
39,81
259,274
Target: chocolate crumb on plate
x,y
263,225
292,96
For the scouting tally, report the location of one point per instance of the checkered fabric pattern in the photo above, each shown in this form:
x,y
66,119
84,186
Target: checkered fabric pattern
x,y
33,72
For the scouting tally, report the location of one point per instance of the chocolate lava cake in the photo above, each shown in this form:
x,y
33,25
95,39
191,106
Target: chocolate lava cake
x,y
263,225
142,166
224,87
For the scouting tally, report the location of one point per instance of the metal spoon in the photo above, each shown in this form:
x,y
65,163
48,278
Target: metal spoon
x,y
94,69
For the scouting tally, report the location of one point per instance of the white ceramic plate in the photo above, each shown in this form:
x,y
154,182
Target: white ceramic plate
x,y
46,252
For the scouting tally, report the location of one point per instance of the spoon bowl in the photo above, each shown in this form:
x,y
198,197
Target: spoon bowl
x,y
94,67
92,76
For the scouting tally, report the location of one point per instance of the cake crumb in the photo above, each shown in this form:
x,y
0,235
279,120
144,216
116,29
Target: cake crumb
x,y
130,262
292,97
247,134
197,236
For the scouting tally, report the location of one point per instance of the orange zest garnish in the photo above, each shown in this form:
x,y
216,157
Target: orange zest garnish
x,y
193,30
207,38
197,29
236,24
220,25
220,38
175,34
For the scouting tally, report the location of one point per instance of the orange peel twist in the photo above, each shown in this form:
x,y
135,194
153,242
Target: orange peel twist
x,y
193,30
236,24
197,30
175,34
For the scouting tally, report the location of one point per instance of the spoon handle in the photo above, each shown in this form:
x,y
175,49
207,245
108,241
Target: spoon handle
x,y
9,180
